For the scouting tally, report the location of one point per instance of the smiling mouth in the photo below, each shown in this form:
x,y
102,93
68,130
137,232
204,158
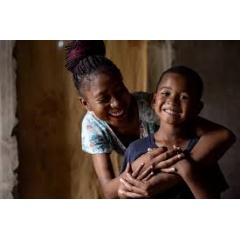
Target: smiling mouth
x,y
171,112
117,114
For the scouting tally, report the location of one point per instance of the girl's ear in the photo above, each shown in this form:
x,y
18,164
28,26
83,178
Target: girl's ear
x,y
85,104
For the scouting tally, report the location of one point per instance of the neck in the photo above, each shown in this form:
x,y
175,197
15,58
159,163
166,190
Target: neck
x,y
129,131
169,135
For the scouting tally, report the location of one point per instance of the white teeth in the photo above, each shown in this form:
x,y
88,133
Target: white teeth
x,y
171,112
117,114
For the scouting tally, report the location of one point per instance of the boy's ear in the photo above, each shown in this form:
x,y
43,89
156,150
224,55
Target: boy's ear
x,y
199,107
84,103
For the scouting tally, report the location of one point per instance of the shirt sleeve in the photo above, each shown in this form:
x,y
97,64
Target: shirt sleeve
x,y
127,158
146,112
95,137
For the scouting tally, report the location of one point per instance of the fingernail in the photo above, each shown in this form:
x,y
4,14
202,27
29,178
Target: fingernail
x,y
176,147
179,156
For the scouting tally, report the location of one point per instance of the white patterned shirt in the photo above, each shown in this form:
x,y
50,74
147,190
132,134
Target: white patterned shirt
x,y
98,137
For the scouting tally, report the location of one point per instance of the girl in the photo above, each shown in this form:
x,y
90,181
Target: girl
x,y
115,118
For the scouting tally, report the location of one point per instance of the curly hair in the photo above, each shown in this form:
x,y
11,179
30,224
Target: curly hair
x,y
85,57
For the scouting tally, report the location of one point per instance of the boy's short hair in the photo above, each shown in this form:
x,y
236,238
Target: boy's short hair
x,y
189,74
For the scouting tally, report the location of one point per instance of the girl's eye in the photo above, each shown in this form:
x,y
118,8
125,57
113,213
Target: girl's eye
x,y
104,100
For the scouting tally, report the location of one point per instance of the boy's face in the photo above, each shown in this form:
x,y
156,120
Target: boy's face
x,y
108,99
175,100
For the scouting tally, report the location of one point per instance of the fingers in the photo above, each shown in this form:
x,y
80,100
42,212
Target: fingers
x,y
128,168
138,170
148,177
156,151
126,194
147,173
132,185
169,170
177,148
162,156
168,163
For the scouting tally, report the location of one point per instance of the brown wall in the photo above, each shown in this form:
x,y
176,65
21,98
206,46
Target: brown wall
x,y
51,162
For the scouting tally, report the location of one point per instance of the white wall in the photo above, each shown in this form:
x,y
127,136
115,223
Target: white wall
x,y
8,143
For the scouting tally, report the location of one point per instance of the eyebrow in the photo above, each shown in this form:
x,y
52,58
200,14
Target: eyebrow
x,y
164,87
99,94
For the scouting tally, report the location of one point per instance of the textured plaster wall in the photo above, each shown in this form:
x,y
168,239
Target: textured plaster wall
x,y
218,62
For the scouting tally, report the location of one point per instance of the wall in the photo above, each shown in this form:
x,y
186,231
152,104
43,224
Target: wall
x,y
160,57
8,121
218,63
44,166
51,162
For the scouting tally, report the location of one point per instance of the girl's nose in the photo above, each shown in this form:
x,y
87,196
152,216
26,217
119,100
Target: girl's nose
x,y
114,103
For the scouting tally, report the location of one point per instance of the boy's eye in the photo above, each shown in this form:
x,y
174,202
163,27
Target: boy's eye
x,y
164,93
184,97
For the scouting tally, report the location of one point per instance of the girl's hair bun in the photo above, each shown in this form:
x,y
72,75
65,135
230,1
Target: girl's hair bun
x,y
76,50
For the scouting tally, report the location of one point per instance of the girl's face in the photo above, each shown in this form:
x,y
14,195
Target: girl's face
x,y
175,100
108,98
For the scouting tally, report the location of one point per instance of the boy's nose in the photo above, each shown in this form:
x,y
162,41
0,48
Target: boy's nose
x,y
174,100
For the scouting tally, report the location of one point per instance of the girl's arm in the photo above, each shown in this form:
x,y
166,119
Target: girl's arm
x,y
193,179
214,141
110,184
158,183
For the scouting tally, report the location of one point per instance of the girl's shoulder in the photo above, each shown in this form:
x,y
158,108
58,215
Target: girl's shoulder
x,y
91,122
143,97
144,100
146,112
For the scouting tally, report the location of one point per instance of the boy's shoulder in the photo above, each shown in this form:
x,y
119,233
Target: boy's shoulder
x,y
142,144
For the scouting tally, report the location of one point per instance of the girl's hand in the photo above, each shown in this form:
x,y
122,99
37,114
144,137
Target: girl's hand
x,y
183,167
134,184
164,162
